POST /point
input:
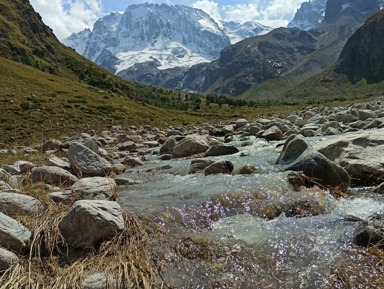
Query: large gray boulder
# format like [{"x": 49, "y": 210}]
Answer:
[
  {"x": 190, "y": 145},
  {"x": 168, "y": 146},
  {"x": 54, "y": 161},
  {"x": 298, "y": 155},
  {"x": 7, "y": 260},
  {"x": 220, "y": 150},
  {"x": 13, "y": 204},
  {"x": 94, "y": 188},
  {"x": 371, "y": 231},
  {"x": 53, "y": 175},
  {"x": 13, "y": 235},
  {"x": 360, "y": 154},
  {"x": 87, "y": 162},
  {"x": 89, "y": 222},
  {"x": 273, "y": 133}
]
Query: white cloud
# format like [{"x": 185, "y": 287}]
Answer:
[
  {"x": 209, "y": 7},
  {"x": 241, "y": 12},
  {"x": 68, "y": 16}
]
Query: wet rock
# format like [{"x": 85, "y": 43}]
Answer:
[
  {"x": 254, "y": 129},
  {"x": 166, "y": 157},
  {"x": 379, "y": 189},
  {"x": 219, "y": 167},
  {"x": 198, "y": 165},
  {"x": 247, "y": 170},
  {"x": 273, "y": 133},
  {"x": 298, "y": 155},
  {"x": 94, "y": 188},
  {"x": 13, "y": 235},
  {"x": 121, "y": 181},
  {"x": 296, "y": 180},
  {"x": 360, "y": 154},
  {"x": 7, "y": 260},
  {"x": 53, "y": 175},
  {"x": 89, "y": 222},
  {"x": 87, "y": 162},
  {"x": 220, "y": 150},
  {"x": 371, "y": 231},
  {"x": 13, "y": 204},
  {"x": 168, "y": 146},
  {"x": 190, "y": 145},
  {"x": 133, "y": 162},
  {"x": 227, "y": 129}
]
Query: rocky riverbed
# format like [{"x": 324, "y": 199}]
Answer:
[{"x": 266, "y": 203}]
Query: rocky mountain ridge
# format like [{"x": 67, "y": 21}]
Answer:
[
  {"x": 292, "y": 55},
  {"x": 168, "y": 36}
]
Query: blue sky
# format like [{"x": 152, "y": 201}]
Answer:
[{"x": 69, "y": 16}]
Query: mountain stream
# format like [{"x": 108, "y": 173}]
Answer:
[{"x": 247, "y": 231}]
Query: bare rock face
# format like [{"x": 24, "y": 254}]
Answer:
[
  {"x": 87, "y": 162},
  {"x": 190, "y": 145},
  {"x": 298, "y": 155},
  {"x": 90, "y": 222},
  {"x": 52, "y": 175},
  {"x": 13, "y": 235}
]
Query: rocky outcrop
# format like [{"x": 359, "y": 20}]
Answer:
[
  {"x": 89, "y": 222},
  {"x": 298, "y": 155}
]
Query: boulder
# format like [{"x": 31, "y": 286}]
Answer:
[
  {"x": 370, "y": 232},
  {"x": 7, "y": 260},
  {"x": 220, "y": 150},
  {"x": 273, "y": 133},
  {"x": 48, "y": 145},
  {"x": 94, "y": 188},
  {"x": 54, "y": 161},
  {"x": 168, "y": 146},
  {"x": 298, "y": 155},
  {"x": 53, "y": 175},
  {"x": 190, "y": 145},
  {"x": 86, "y": 162},
  {"x": 360, "y": 154},
  {"x": 174, "y": 133},
  {"x": 127, "y": 146},
  {"x": 198, "y": 165},
  {"x": 240, "y": 123},
  {"x": 132, "y": 162},
  {"x": 13, "y": 204},
  {"x": 13, "y": 235},
  {"x": 89, "y": 222},
  {"x": 219, "y": 167}
]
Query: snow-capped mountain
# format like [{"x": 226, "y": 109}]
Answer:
[
  {"x": 165, "y": 35},
  {"x": 309, "y": 15},
  {"x": 237, "y": 32}
]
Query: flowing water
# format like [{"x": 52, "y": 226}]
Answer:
[{"x": 247, "y": 231}]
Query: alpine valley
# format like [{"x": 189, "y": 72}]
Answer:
[{"x": 179, "y": 47}]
